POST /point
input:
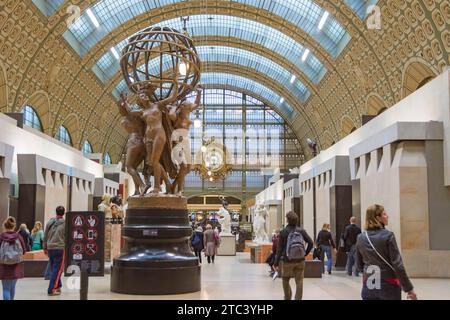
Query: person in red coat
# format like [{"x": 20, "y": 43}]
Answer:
[{"x": 10, "y": 273}]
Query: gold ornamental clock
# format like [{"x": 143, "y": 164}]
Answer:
[{"x": 212, "y": 162}]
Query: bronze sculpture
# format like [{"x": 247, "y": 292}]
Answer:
[
  {"x": 181, "y": 122},
  {"x": 135, "y": 149},
  {"x": 156, "y": 257},
  {"x": 154, "y": 127}
]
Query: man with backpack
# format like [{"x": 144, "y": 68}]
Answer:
[
  {"x": 292, "y": 251},
  {"x": 53, "y": 245}
]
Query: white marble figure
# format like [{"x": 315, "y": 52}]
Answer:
[
  {"x": 259, "y": 225},
  {"x": 225, "y": 221}
]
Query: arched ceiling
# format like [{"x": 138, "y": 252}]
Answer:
[
  {"x": 238, "y": 13},
  {"x": 229, "y": 27},
  {"x": 304, "y": 14},
  {"x": 259, "y": 44}
]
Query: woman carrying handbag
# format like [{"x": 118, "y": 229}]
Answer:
[{"x": 377, "y": 254}]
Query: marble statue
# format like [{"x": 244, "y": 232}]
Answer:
[
  {"x": 225, "y": 218},
  {"x": 259, "y": 224},
  {"x": 225, "y": 221}
]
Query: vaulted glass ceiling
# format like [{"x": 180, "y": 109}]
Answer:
[
  {"x": 229, "y": 26},
  {"x": 231, "y": 80},
  {"x": 243, "y": 58},
  {"x": 48, "y": 7},
  {"x": 360, "y": 6},
  {"x": 111, "y": 14}
]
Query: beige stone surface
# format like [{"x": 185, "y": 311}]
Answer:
[{"x": 227, "y": 246}]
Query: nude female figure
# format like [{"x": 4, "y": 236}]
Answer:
[
  {"x": 135, "y": 127},
  {"x": 155, "y": 135},
  {"x": 181, "y": 122}
]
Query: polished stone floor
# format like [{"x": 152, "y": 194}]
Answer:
[{"x": 237, "y": 278}]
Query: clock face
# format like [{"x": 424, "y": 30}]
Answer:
[{"x": 214, "y": 158}]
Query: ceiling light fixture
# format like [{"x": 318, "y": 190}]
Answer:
[
  {"x": 115, "y": 53},
  {"x": 183, "y": 68},
  {"x": 293, "y": 78},
  {"x": 323, "y": 20},
  {"x": 93, "y": 18},
  {"x": 305, "y": 55}
]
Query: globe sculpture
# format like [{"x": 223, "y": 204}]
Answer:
[
  {"x": 161, "y": 67},
  {"x": 153, "y": 55}
]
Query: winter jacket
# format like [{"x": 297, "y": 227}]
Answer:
[
  {"x": 386, "y": 245},
  {"x": 14, "y": 271},
  {"x": 210, "y": 243},
  {"x": 26, "y": 239},
  {"x": 282, "y": 243},
  {"x": 54, "y": 238},
  {"x": 199, "y": 246},
  {"x": 350, "y": 236}
]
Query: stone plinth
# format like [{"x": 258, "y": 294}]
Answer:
[
  {"x": 227, "y": 245},
  {"x": 156, "y": 256},
  {"x": 260, "y": 252}
]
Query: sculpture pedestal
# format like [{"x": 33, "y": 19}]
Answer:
[
  {"x": 227, "y": 245},
  {"x": 157, "y": 258},
  {"x": 259, "y": 252}
]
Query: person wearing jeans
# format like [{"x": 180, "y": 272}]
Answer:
[
  {"x": 9, "y": 273},
  {"x": 325, "y": 242},
  {"x": 350, "y": 236},
  {"x": 326, "y": 251},
  {"x": 351, "y": 258},
  {"x": 9, "y": 289},
  {"x": 54, "y": 247}
]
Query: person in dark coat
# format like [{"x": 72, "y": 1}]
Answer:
[
  {"x": 10, "y": 273},
  {"x": 377, "y": 254},
  {"x": 26, "y": 236},
  {"x": 325, "y": 242},
  {"x": 197, "y": 243},
  {"x": 350, "y": 236}
]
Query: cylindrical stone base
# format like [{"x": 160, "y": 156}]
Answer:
[{"x": 157, "y": 259}]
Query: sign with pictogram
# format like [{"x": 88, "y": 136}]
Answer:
[{"x": 86, "y": 242}]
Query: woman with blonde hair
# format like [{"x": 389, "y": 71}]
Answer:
[
  {"x": 37, "y": 234},
  {"x": 325, "y": 242},
  {"x": 12, "y": 249},
  {"x": 377, "y": 254}
]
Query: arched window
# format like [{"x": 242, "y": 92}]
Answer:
[
  {"x": 64, "y": 136},
  {"x": 87, "y": 147},
  {"x": 107, "y": 159},
  {"x": 31, "y": 118}
]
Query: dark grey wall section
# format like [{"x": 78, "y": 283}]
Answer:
[
  {"x": 4, "y": 199},
  {"x": 438, "y": 197},
  {"x": 31, "y": 204},
  {"x": 113, "y": 176},
  {"x": 356, "y": 202},
  {"x": 13, "y": 207},
  {"x": 95, "y": 202}
]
